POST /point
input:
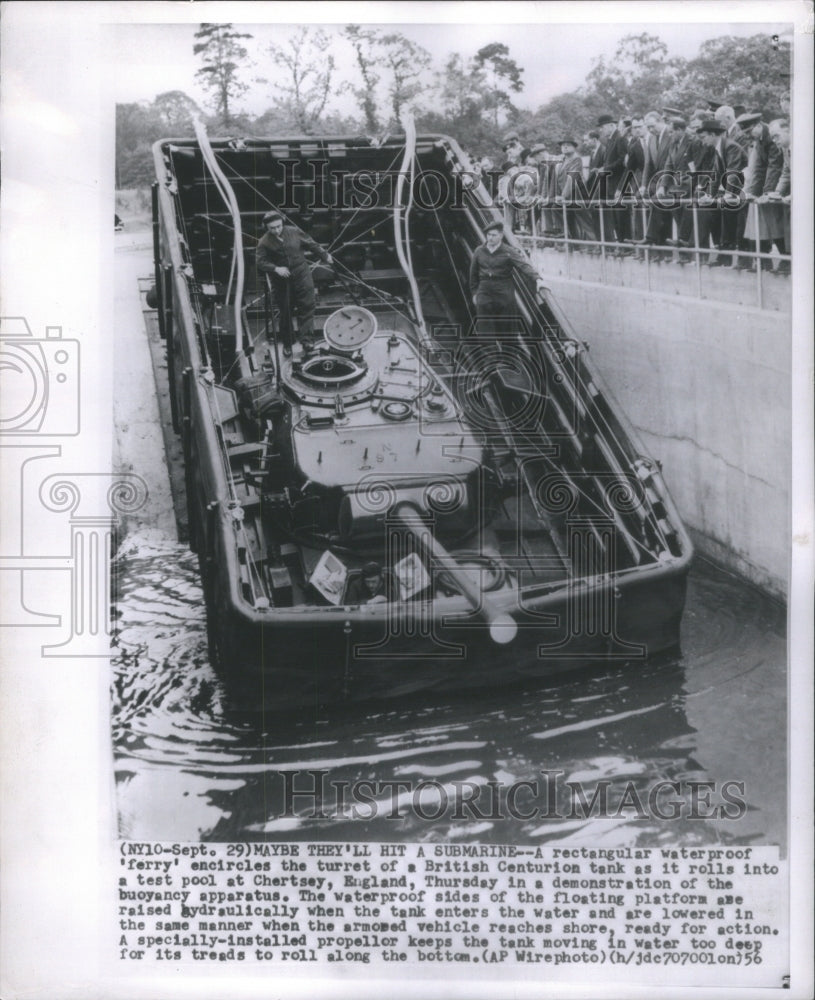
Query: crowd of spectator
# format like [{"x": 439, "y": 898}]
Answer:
[{"x": 663, "y": 183}]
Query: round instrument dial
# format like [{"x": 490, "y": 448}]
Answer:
[{"x": 349, "y": 328}]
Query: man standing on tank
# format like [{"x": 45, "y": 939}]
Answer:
[
  {"x": 280, "y": 255},
  {"x": 491, "y": 284}
]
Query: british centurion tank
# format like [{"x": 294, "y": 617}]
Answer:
[{"x": 410, "y": 504}]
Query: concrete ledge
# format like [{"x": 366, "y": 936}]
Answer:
[
  {"x": 707, "y": 384},
  {"x": 720, "y": 284}
]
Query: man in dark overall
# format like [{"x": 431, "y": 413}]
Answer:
[
  {"x": 491, "y": 285},
  {"x": 280, "y": 255}
]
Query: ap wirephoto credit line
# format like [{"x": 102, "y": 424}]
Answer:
[{"x": 407, "y": 506}]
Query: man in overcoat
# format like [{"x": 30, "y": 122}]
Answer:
[
  {"x": 616, "y": 149},
  {"x": 721, "y": 210},
  {"x": 657, "y": 162},
  {"x": 492, "y": 287}
]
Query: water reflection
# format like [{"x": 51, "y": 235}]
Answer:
[{"x": 190, "y": 765}]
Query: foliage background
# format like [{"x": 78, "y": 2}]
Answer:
[{"x": 473, "y": 97}]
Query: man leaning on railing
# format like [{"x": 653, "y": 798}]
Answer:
[
  {"x": 780, "y": 134},
  {"x": 765, "y": 162},
  {"x": 695, "y": 180}
]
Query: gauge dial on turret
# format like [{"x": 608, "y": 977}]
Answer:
[{"x": 349, "y": 328}]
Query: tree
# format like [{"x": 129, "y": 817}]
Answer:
[
  {"x": 461, "y": 88},
  {"x": 222, "y": 52},
  {"x": 303, "y": 90},
  {"x": 137, "y": 128},
  {"x": 176, "y": 111},
  {"x": 363, "y": 42},
  {"x": 566, "y": 116},
  {"x": 459, "y": 110},
  {"x": 406, "y": 61},
  {"x": 638, "y": 78},
  {"x": 751, "y": 71},
  {"x": 501, "y": 73}
]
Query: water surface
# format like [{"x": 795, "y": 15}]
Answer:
[{"x": 193, "y": 765}]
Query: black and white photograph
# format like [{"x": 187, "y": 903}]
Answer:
[{"x": 407, "y": 502}]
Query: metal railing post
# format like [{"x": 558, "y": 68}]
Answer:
[
  {"x": 758, "y": 261},
  {"x": 566, "y": 238},
  {"x": 697, "y": 252}
]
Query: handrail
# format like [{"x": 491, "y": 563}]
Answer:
[{"x": 687, "y": 251}]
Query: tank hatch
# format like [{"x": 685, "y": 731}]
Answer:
[{"x": 386, "y": 413}]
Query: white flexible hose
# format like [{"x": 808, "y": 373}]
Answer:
[
  {"x": 225, "y": 189},
  {"x": 399, "y": 239}
]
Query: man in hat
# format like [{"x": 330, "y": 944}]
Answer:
[
  {"x": 742, "y": 137},
  {"x": 523, "y": 192},
  {"x": 734, "y": 220},
  {"x": 615, "y": 218},
  {"x": 546, "y": 166},
  {"x": 684, "y": 162},
  {"x": 635, "y": 160},
  {"x": 765, "y": 162},
  {"x": 635, "y": 165},
  {"x": 597, "y": 154},
  {"x": 780, "y": 134},
  {"x": 569, "y": 184},
  {"x": 718, "y": 213},
  {"x": 512, "y": 147},
  {"x": 491, "y": 281},
  {"x": 280, "y": 255},
  {"x": 683, "y": 149},
  {"x": 698, "y": 159},
  {"x": 708, "y": 106}
]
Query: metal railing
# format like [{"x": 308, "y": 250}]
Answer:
[{"x": 757, "y": 260}]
